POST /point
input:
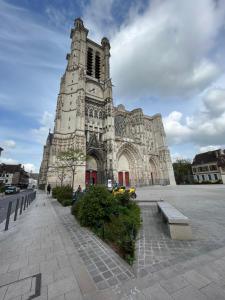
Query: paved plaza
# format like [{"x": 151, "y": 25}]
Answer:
[{"x": 47, "y": 255}]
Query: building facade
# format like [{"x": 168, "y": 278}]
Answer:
[
  {"x": 13, "y": 175},
  {"x": 209, "y": 166},
  {"x": 127, "y": 147}
]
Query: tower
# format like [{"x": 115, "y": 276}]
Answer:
[{"x": 84, "y": 108}]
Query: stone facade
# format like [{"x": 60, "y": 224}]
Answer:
[{"x": 125, "y": 146}]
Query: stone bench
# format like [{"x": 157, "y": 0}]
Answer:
[{"x": 179, "y": 225}]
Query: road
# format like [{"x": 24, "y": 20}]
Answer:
[{"x": 4, "y": 202}]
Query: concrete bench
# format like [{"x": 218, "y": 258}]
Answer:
[{"x": 179, "y": 225}]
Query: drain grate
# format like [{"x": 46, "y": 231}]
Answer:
[{"x": 28, "y": 287}]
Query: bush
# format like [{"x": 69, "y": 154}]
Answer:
[
  {"x": 63, "y": 194},
  {"x": 67, "y": 202},
  {"x": 115, "y": 219},
  {"x": 95, "y": 207}
]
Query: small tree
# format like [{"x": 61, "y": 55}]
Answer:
[
  {"x": 61, "y": 170},
  {"x": 71, "y": 159},
  {"x": 182, "y": 171}
]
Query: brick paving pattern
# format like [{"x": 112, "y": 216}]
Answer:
[
  {"x": 156, "y": 250},
  {"x": 103, "y": 264}
]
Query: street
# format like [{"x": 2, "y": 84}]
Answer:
[{"x": 4, "y": 201}]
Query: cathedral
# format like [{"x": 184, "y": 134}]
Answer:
[{"x": 126, "y": 147}]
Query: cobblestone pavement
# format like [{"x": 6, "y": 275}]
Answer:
[
  {"x": 47, "y": 244},
  {"x": 156, "y": 250},
  {"x": 105, "y": 267}
]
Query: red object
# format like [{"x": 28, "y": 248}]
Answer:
[
  {"x": 94, "y": 177},
  {"x": 87, "y": 179},
  {"x": 127, "y": 181},
  {"x": 120, "y": 177}
]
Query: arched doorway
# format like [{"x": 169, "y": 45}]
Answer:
[
  {"x": 91, "y": 171},
  {"x": 123, "y": 171},
  {"x": 154, "y": 178}
]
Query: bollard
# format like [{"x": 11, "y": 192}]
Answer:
[
  {"x": 8, "y": 215},
  {"x": 21, "y": 206},
  {"x": 16, "y": 210},
  {"x": 24, "y": 206}
]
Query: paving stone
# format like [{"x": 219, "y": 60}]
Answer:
[
  {"x": 213, "y": 292},
  {"x": 112, "y": 281},
  {"x": 189, "y": 293},
  {"x": 60, "y": 287},
  {"x": 97, "y": 278},
  {"x": 174, "y": 284},
  {"x": 107, "y": 274},
  {"x": 196, "y": 279},
  {"x": 3, "y": 292},
  {"x": 156, "y": 292},
  {"x": 9, "y": 277},
  {"x": 73, "y": 295}
]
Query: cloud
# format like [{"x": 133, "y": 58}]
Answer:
[
  {"x": 214, "y": 102},
  {"x": 165, "y": 53},
  {"x": 29, "y": 167},
  {"x": 9, "y": 144},
  {"x": 176, "y": 132},
  {"x": 209, "y": 148},
  {"x": 9, "y": 161},
  {"x": 40, "y": 134},
  {"x": 205, "y": 127}
]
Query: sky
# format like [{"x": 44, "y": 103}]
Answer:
[{"x": 167, "y": 56}]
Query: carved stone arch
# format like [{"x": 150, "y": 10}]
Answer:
[
  {"x": 133, "y": 157},
  {"x": 154, "y": 170},
  {"x": 100, "y": 160}
]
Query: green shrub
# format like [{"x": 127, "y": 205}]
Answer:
[
  {"x": 2, "y": 189},
  {"x": 55, "y": 191},
  {"x": 115, "y": 219},
  {"x": 67, "y": 202},
  {"x": 123, "y": 199},
  {"x": 95, "y": 207},
  {"x": 63, "y": 194}
]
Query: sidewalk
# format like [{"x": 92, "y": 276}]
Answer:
[{"x": 46, "y": 255}]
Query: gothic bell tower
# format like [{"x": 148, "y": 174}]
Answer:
[{"x": 84, "y": 113}]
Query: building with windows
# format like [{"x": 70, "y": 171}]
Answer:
[
  {"x": 13, "y": 175},
  {"x": 209, "y": 166},
  {"x": 127, "y": 147}
]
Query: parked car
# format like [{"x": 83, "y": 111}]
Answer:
[{"x": 11, "y": 190}]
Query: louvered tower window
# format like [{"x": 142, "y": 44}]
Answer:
[
  {"x": 89, "y": 61},
  {"x": 97, "y": 66}
]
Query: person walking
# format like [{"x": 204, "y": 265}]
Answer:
[{"x": 49, "y": 189}]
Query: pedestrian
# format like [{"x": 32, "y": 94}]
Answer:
[
  {"x": 79, "y": 189},
  {"x": 49, "y": 189}
]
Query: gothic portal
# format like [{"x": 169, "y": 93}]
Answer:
[{"x": 125, "y": 146}]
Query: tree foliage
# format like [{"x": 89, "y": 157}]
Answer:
[
  {"x": 71, "y": 159},
  {"x": 182, "y": 171}
]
